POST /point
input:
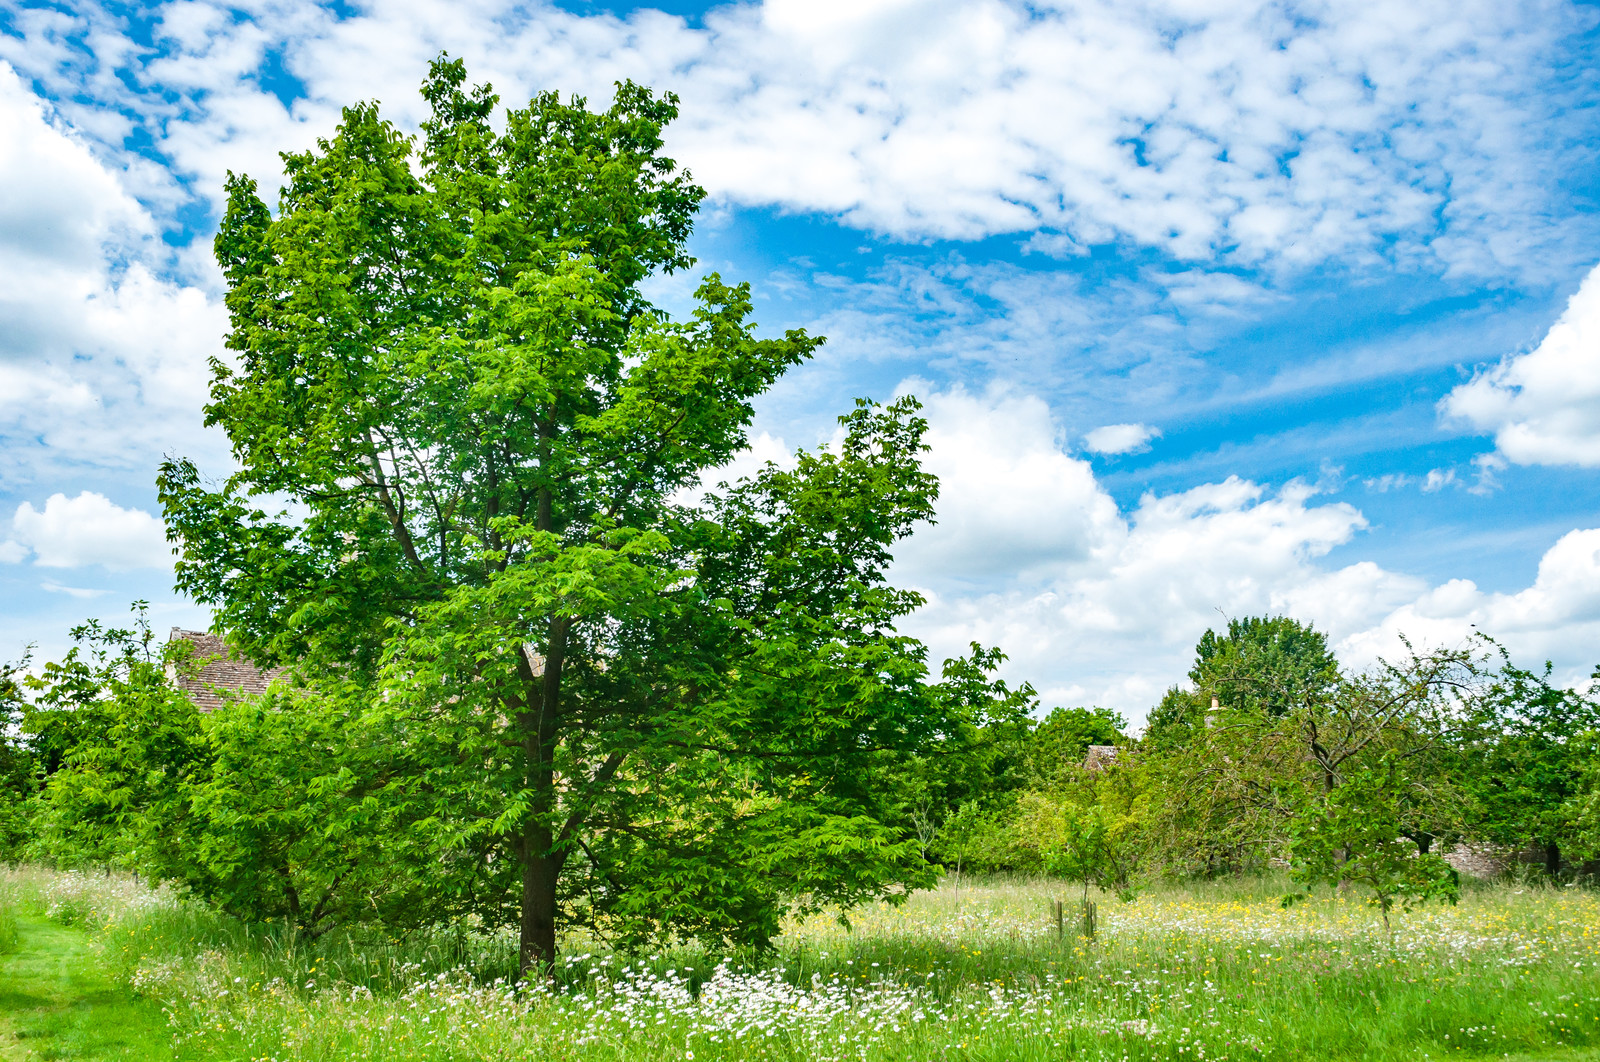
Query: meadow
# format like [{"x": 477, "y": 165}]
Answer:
[{"x": 970, "y": 971}]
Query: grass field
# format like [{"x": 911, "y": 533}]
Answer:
[{"x": 1217, "y": 971}]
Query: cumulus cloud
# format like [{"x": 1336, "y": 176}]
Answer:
[
  {"x": 1557, "y": 618},
  {"x": 1120, "y": 438},
  {"x": 1543, "y": 407},
  {"x": 87, "y": 530},
  {"x": 1011, "y": 501},
  {"x": 102, "y": 361},
  {"x": 1260, "y": 131},
  {"x": 1099, "y": 605}
]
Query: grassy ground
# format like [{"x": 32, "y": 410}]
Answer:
[
  {"x": 972, "y": 973},
  {"x": 59, "y": 1001}
]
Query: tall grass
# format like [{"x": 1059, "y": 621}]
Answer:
[
  {"x": 8, "y": 919},
  {"x": 969, "y": 971}
]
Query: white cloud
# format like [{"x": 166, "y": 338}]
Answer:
[
  {"x": 1557, "y": 618},
  {"x": 1544, "y": 406},
  {"x": 1260, "y": 131},
  {"x": 1098, "y": 605},
  {"x": 88, "y": 529},
  {"x": 79, "y": 592},
  {"x": 1011, "y": 501},
  {"x": 1120, "y": 438},
  {"x": 102, "y": 362},
  {"x": 1438, "y": 479}
]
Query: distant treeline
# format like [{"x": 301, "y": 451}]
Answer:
[{"x": 1275, "y": 755}]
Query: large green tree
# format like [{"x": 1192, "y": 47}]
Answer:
[
  {"x": 604, "y": 696},
  {"x": 1270, "y": 663}
]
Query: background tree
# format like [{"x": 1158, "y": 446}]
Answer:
[
  {"x": 1265, "y": 662},
  {"x": 1175, "y": 721},
  {"x": 1266, "y": 759},
  {"x": 1059, "y": 742},
  {"x": 1523, "y": 758},
  {"x": 600, "y": 702},
  {"x": 20, "y": 771},
  {"x": 1268, "y": 662}
]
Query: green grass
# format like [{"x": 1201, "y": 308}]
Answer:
[
  {"x": 975, "y": 973},
  {"x": 59, "y": 1001}
]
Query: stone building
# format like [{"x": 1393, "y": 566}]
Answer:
[{"x": 214, "y": 671}]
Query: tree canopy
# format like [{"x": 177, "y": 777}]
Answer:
[{"x": 600, "y": 694}]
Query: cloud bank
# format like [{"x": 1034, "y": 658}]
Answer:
[
  {"x": 102, "y": 361},
  {"x": 1286, "y": 133},
  {"x": 1097, "y": 605},
  {"x": 1543, "y": 407}
]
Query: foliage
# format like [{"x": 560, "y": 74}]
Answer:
[
  {"x": 263, "y": 807},
  {"x": 607, "y": 700},
  {"x": 977, "y": 838},
  {"x": 1059, "y": 742},
  {"x": 1522, "y": 755},
  {"x": 1271, "y": 663},
  {"x": 1266, "y": 663},
  {"x": 1228, "y": 795},
  {"x": 109, "y": 687},
  {"x": 1092, "y": 827},
  {"x": 1354, "y": 837},
  {"x": 1175, "y": 721},
  {"x": 19, "y": 767},
  {"x": 1583, "y": 807}
]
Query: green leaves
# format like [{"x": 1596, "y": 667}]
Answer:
[
  {"x": 1356, "y": 837},
  {"x": 596, "y": 700},
  {"x": 1525, "y": 745}
]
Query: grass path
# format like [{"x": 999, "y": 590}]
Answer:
[{"x": 57, "y": 1003}]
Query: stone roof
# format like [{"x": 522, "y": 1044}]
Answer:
[
  {"x": 1099, "y": 756},
  {"x": 220, "y": 671}
]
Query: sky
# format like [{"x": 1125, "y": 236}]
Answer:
[{"x": 1217, "y": 309}]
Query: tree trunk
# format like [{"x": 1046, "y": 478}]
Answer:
[
  {"x": 541, "y": 863},
  {"x": 1552, "y": 858},
  {"x": 538, "y": 924}
]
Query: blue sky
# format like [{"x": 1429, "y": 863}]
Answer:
[{"x": 1218, "y": 308}]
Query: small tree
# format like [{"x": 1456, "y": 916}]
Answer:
[
  {"x": 264, "y": 806},
  {"x": 976, "y": 837},
  {"x": 1089, "y": 827},
  {"x": 1353, "y": 838}
]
